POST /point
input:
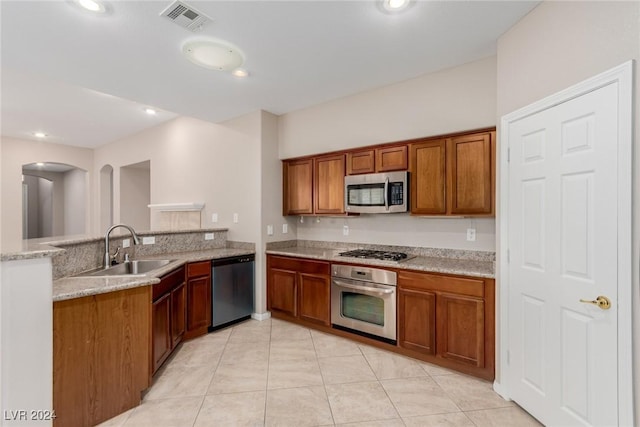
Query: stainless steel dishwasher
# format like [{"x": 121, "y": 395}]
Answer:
[{"x": 232, "y": 290}]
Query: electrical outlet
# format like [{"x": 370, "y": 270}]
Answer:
[
  {"x": 285, "y": 228},
  {"x": 214, "y": 217},
  {"x": 209, "y": 236},
  {"x": 471, "y": 234},
  {"x": 126, "y": 243},
  {"x": 345, "y": 230},
  {"x": 150, "y": 240},
  {"x": 269, "y": 230},
  {"x": 235, "y": 218}
]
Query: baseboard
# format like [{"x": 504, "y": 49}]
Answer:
[
  {"x": 497, "y": 387},
  {"x": 261, "y": 316}
]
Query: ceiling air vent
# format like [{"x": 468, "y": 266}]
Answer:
[{"x": 185, "y": 16}]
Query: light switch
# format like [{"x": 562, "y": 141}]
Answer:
[
  {"x": 149, "y": 240},
  {"x": 214, "y": 217},
  {"x": 209, "y": 236},
  {"x": 269, "y": 230},
  {"x": 345, "y": 230},
  {"x": 285, "y": 228},
  {"x": 126, "y": 243},
  {"x": 235, "y": 218}
]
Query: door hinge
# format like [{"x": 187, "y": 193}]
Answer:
[{"x": 508, "y": 155}]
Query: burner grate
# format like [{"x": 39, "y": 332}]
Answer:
[{"x": 372, "y": 254}]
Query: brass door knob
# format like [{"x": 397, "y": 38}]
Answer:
[{"x": 602, "y": 302}]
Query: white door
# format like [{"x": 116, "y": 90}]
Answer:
[{"x": 563, "y": 228}]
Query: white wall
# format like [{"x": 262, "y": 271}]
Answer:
[
  {"x": 557, "y": 45},
  {"x": 402, "y": 230},
  {"x": 75, "y": 198},
  {"x": 17, "y": 152},
  {"x": 456, "y": 99},
  {"x": 26, "y": 339},
  {"x": 135, "y": 195},
  {"x": 45, "y": 208},
  {"x": 197, "y": 161}
]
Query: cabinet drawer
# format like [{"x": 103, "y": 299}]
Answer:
[
  {"x": 430, "y": 282},
  {"x": 300, "y": 265},
  {"x": 196, "y": 269},
  {"x": 168, "y": 283}
]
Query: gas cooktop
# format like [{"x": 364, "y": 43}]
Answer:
[{"x": 371, "y": 254}]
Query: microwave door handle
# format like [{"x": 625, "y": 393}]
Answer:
[
  {"x": 386, "y": 193},
  {"x": 362, "y": 288}
]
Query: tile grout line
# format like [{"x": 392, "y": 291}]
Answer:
[
  {"x": 324, "y": 384},
  {"x": 212, "y": 377},
  {"x": 266, "y": 383}
]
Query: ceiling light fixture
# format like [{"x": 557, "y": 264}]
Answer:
[
  {"x": 394, "y": 6},
  {"x": 216, "y": 55},
  {"x": 39, "y": 164},
  {"x": 240, "y": 72},
  {"x": 91, "y": 5},
  {"x": 150, "y": 111},
  {"x": 39, "y": 134}
]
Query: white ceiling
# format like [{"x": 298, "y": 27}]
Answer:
[{"x": 84, "y": 79}]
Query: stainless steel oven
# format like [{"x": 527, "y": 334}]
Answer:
[{"x": 363, "y": 300}]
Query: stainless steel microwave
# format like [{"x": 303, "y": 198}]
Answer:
[{"x": 377, "y": 192}]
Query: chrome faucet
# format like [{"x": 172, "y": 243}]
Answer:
[{"x": 107, "y": 256}]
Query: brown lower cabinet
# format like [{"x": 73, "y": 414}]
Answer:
[
  {"x": 449, "y": 319},
  {"x": 168, "y": 316},
  {"x": 198, "y": 298},
  {"x": 101, "y": 355},
  {"x": 443, "y": 319},
  {"x": 299, "y": 289}
]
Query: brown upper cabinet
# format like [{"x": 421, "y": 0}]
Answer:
[
  {"x": 453, "y": 176},
  {"x": 297, "y": 185},
  {"x": 384, "y": 159},
  {"x": 328, "y": 186},
  {"x": 471, "y": 168},
  {"x": 450, "y": 175},
  {"x": 428, "y": 177},
  {"x": 314, "y": 185}
]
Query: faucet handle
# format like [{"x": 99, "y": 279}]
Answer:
[{"x": 113, "y": 257}]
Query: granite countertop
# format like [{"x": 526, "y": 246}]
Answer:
[
  {"x": 48, "y": 246},
  {"x": 29, "y": 250},
  {"x": 80, "y": 286},
  {"x": 439, "y": 264}
]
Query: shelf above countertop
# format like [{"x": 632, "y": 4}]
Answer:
[{"x": 177, "y": 207}]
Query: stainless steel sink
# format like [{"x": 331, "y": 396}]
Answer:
[{"x": 137, "y": 267}]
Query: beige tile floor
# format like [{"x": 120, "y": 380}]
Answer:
[{"x": 274, "y": 373}]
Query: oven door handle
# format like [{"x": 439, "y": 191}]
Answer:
[{"x": 363, "y": 288}]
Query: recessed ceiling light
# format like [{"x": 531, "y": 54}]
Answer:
[
  {"x": 213, "y": 54},
  {"x": 39, "y": 134},
  {"x": 240, "y": 72},
  {"x": 395, "y": 5},
  {"x": 40, "y": 164},
  {"x": 91, "y": 5},
  {"x": 150, "y": 111}
]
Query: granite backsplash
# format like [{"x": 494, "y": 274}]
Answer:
[{"x": 88, "y": 254}]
